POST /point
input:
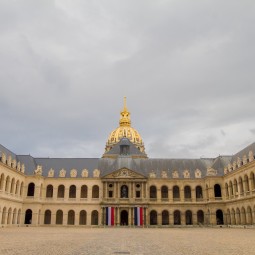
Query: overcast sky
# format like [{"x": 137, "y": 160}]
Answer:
[{"x": 186, "y": 67}]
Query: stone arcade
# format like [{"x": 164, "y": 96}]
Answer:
[{"x": 125, "y": 187}]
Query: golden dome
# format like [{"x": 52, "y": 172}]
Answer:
[{"x": 124, "y": 130}]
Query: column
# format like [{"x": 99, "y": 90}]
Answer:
[
  {"x": 193, "y": 195},
  {"x": 159, "y": 218},
  {"x": 158, "y": 194},
  {"x": 183, "y": 220},
  {"x": 129, "y": 216},
  {"x": 102, "y": 216},
  {"x": 118, "y": 216},
  {"x": 147, "y": 216},
  {"x": 78, "y": 192},
  {"x": 194, "y": 218},
  {"x": 66, "y": 196},
  {"x": 53, "y": 218},
  {"x": 171, "y": 218}
]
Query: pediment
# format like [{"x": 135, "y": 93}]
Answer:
[{"x": 124, "y": 173}]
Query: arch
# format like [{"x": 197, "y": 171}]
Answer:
[
  {"x": 164, "y": 192},
  {"x": 2, "y": 181},
  {"x": 240, "y": 181},
  {"x": 153, "y": 192},
  {"x": 177, "y": 217},
  {"x": 94, "y": 217},
  {"x": 231, "y": 188},
  {"x": 235, "y": 187},
  {"x": 176, "y": 192},
  {"x": 188, "y": 217},
  {"x": 243, "y": 216},
  {"x": 14, "y": 216},
  {"x": 21, "y": 189},
  {"x": 71, "y": 217},
  {"x": 217, "y": 190},
  {"x": 228, "y": 217},
  {"x": 252, "y": 178},
  {"x": 83, "y": 217},
  {"x": 187, "y": 192},
  {"x": 61, "y": 191},
  {"x": 84, "y": 191},
  {"x": 95, "y": 191},
  {"x": 199, "y": 192},
  {"x": 249, "y": 216},
  {"x": 12, "y": 186},
  {"x": 19, "y": 216},
  {"x": 28, "y": 216},
  {"x": 200, "y": 217},
  {"x": 4, "y": 213},
  {"x": 238, "y": 216},
  {"x": 31, "y": 189},
  {"x": 153, "y": 218},
  {"x": 17, "y": 187},
  {"x": 165, "y": 217},
  {"x": 59, "y": 217},
  {"x": 49, "y": 191},
  {"x": 233, "y": 217},
  {"x": 7, "y": 184},
  {"x": 72, "y": 191},
  {"x": 47, "y": 217},
  {"x": 226, "y": 190},
  {"x": 246, "y": 183},
  {"x": 219, "y": 217},
  {"x": 124, "y": 217},
  {"x": 9, "y": 217}
]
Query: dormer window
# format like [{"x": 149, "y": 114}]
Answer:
[{"x": 124, "y": 149}]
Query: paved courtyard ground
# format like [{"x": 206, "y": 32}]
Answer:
[{"x": 176, "y": 241}]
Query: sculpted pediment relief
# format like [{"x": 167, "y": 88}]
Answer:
[{"x": 124, "y": 173}]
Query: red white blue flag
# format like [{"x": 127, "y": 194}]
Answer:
[
  {"x": 110, "y": 216},
  {"x": 138, "y": 216}
]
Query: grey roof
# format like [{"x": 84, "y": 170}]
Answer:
[
  {"x": 143, "y": 166},
  {"x": 243, "y": 152}
]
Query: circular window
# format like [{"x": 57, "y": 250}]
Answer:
[
  {"x": 110, "y": 185},
  {"x": 138, "y": 186}
]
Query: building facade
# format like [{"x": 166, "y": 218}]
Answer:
[{"x": 125, "y": 187}]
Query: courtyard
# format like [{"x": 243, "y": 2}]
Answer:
[{"x": 125, "y": 240}]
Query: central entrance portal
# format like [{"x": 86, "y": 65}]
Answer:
[{"x": 124, "y": 218}]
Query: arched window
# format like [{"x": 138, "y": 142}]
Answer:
[
  {"x": 71, "y": 217},
  {"x": 200, "y": 217},
  {"x": 243, "y": 216},
  {"x": 31, "y": 189},
  {"x": 246, "y": 184},
  {"x": 17, "y": 188},
  {"x": 95, "y": 191},
  {"x": 231, "y": 189},
  {"x": 235, "y": 187},
  {"x": 199, "y": 193},
  {"x": 49, "y": 191},
  {"x": 238, "y": 216},
  {"x": 2, "y": 182},
  {"x": 187, "y": 193},
  {"x": 228, "y": 218},
  {"x": 28, "y": 216},
  {"x": 72, "y": 191},
  {"x": 59, "y": 217},
  {"x": 226, "y": 190},
  {"x": 164, "y": 192},
  {"x": 21, "y": 189},
  {"x": 217, "y": 190},
  {"x": 240, "y": 181},
  {"x": 19, "y": 216},
  {"x": 7, "y": 184},
  {"x": 252, "y": 178},
  {"x": 233, "y": 217},
  {"x": 61, "y": 191},
  {"x": 14, "y": 216},
  {"x": 165, "y": 217},
  {"x": 177, "y": 217},
  {"x": 249, "y": 216},
  {"x": 84, "y": 191},
  {"x": 83, "y": 217},
  {"x": 188, "y": 217},
  {"x": 176, "y": 193},
  {"x": 47, "y": 217},
  {"x": 12, "y": 186},
  {"x": 94, "y": 217},
  {"x": 153, "y": 218},
  {"x": 153, "y": 192}
]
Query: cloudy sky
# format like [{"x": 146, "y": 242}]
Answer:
[{"x": 186, "y": 67}]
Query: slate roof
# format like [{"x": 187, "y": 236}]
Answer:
[{"x": 143, "y": 166}]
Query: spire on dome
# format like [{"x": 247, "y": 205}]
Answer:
[{"x": 125, "y": 115}]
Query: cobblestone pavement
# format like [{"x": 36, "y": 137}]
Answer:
[{"x": 177, "y": 241}]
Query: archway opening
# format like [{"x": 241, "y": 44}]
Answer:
[
  {"x": 28, "y": 216},
  {"x": 219, "y": 217},
  {"x": 124, "y": 218}
]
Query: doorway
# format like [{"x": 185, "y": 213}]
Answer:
[{"x": 124, "y": 218}]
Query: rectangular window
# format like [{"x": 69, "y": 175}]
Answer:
[{"x": 138, "y": 194}]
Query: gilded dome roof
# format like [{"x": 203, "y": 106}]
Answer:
[{"x": 125, "y": 130}]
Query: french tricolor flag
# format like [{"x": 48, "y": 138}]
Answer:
[
  {"x": 138, "y": 216},
  {"x": 110, "y": 216}
]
